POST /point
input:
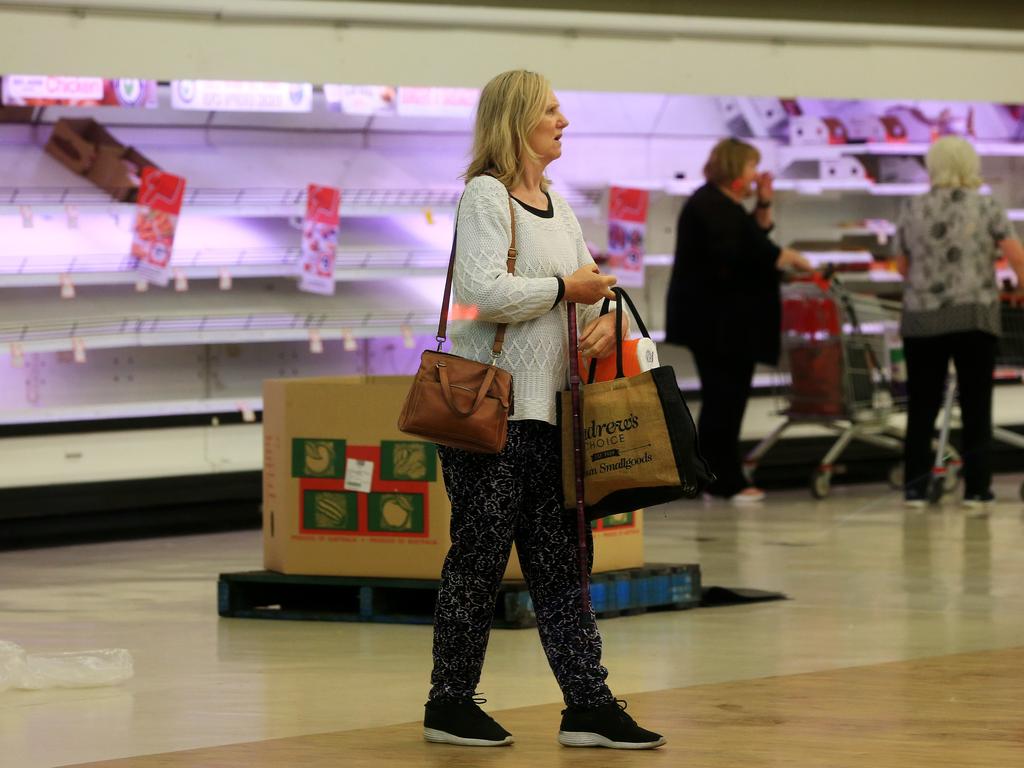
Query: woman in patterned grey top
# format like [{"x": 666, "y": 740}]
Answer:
[{"x": 949, "y": 239}]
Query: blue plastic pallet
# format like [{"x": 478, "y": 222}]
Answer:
[{"x": 269, "y": 595}]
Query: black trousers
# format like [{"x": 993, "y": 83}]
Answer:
[
  {"x": 973, "y": 354},
  {"x": 497, "y": 499},
  {"x": 724, "y": 390}
]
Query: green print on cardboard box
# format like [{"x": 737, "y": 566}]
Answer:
[
  {"x": 412, "y": 460},
  {"x": 330, "y": 510},
  {"x": 316, "y": 457},
  {"x": 395, "y": 513}
]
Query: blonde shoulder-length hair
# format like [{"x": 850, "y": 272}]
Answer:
[
  {"x": 511, "y": 106},
  {"x": 953, "y": 164}
]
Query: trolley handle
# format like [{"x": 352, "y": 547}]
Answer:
[
  {"x": 1012, "y": 298},
  {"x": 822, "y": 278}
]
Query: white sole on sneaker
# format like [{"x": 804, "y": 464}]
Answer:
[
  {"x": 748, "y": 498},
  {"x": 442, "y": 737},
  {"x": 584, "y": 739},
  {"x": 977, "y": 503}
]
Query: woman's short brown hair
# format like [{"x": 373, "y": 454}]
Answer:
[{"x": 728, "y": 159}]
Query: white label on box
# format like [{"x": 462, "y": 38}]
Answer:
[{"x": 358, "y": 475}]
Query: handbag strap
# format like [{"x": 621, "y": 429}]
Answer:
[
  {"x": 510, "y": 265},
  {"x": 576, "y": 416}
]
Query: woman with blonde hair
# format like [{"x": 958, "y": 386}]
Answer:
[
  {"x": 949, "y": 239},
  {"x": 723, "y": 301},
  {"x": 515, "y": 496}
]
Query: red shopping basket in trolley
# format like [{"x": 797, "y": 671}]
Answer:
[
  {"x": 811, "y": 329},
  {"x": 1010, "y": 353}
]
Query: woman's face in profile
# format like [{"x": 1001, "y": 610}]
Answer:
[{"x": 546, "y": 138}]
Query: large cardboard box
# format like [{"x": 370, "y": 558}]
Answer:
[
  {"x": 88, "y": 149},
  {"x": 318, "y": 517}
]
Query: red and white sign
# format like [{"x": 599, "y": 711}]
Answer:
[
  {"x": 46, "y": 90},
  {"x": 241, "y": 96},
  {"x": 319, "y": 240},
  {"x": 627, "y": 233},
  {"x": 160, "y": 198},
  {"x": 437, "y": 102}
]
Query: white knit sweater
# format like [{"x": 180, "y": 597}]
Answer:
[{"x": 536, "y": 341}]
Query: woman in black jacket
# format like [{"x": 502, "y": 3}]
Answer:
[{"x": 723, "y": 300}]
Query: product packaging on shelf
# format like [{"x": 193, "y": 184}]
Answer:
[
  {"x": 345, "y": 493},
  {"x": 88, "y": 149}
]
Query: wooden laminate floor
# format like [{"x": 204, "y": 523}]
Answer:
[
  {"x": 945, "y": 712},
  {"x": 900, "y": 646}
]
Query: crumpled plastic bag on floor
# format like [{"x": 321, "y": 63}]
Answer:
[{"x": 83, "y": 669}]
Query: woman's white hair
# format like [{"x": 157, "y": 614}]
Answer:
[{"x": 953, "y": 163}]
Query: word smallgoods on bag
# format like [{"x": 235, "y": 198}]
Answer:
[{"x": 637, "y": 440}]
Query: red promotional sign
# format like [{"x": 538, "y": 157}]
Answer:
[
  {"x": 319, "y": 239},
  {"x": 160, "y": 198},
  {"x": 627, "y": 232}
]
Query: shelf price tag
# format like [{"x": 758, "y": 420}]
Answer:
[
  {"x": 67, "y": 286},
  {"x": 225, "y": 279},
  {"x": 319, "y": 240},
  {"x": 429, "y": 215},
  {"x": 160, "y": 198},
  {"x": 78, "y": 350},
  {"x": 316, "y": 344},
  {"x": 627, "y": 232},
  {"x": 248, "y": 414},
  {"x": 349, "y": 342},
  {"x": 17, "y": 356},
  {"x": 72, "y": 213},
  {"x": 141, "y": 286},
  {"x": 408, "y": 340},
  {"x": 180, "y": 281},
  {"x": 26, "y": 216}
]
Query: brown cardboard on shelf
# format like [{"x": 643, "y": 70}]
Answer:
[
  {"x": 87, "y": 148},
  {"x": 345, "y": 493}
]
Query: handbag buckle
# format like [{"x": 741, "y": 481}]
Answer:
[{"x": 440, "y": 342}]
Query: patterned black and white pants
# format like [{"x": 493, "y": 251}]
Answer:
[{"x": 498, "y": 499}]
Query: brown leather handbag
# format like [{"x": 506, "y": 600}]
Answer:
[{"x": 458, "y": 402}]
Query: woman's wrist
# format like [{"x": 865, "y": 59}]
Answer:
[{"x": 763, "y": 204}]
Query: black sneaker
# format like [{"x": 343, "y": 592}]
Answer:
[
  {"x": 462, "y": 723},
  {"x": 605, "y": 726},
  {"x": 979, "y": 500}
]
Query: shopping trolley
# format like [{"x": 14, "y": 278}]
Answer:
[
  {"x": 1009, "y": 365},
  {"x": 845, "y": 372}
]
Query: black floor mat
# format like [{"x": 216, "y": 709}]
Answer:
[{"x": 711, "y": 597}]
